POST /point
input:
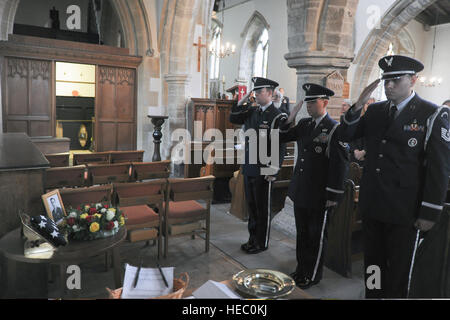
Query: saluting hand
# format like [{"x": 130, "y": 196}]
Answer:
[
  {"x": 244, "y": 99},
  {"x": 366, "y": 94},
  {"x": 330, "y": 204},
  {"x": 294, "y": 112}
]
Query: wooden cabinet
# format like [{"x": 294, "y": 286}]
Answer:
[{"x": 212, "y": 114}]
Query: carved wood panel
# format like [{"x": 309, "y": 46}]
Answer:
[
  {"x": 27, "y": 96},
  {"x": 116, "y": 109}
]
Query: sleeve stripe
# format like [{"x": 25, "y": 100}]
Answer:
[
  {"x": 334, "y": 190},
  {"x": 432, "y": 206}
]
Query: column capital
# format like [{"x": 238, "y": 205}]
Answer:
[
  {"x": 177, "y": 78},
  {"x": 317, "y": 62}
]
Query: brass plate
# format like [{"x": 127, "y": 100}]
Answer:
[{"x": 263, "y": 283}]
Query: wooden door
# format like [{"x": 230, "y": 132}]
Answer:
[
  {"x": 28, "y": 96},
  {"x": 115, "y": 111}
]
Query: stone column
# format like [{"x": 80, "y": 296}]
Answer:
[
  {"x": 315, "y": 67},
  {"x": 320, "y": 40},
  {"x": 177, "y": 89}
]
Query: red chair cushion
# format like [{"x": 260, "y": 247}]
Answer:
[
  {"x": 185, "y": 209},
  {"x": 139, "y": 214}
]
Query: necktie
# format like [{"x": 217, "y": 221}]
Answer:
[{"x": 392, "y": 112}]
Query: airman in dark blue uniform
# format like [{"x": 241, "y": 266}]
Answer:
[
  {"x": 405, "y": 175},
  {"x": 258, "y": 122},
  {"x": 317, "y": 182}
]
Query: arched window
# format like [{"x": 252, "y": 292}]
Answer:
[
  {"x": 214, "y": 62},
  {"x": 261, "y": 55}
]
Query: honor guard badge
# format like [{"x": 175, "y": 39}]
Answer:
[
  {"x": 412, "y": 142},
  {"x": 318, "y": 149}
]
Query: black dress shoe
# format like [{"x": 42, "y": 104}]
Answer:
[
  {"x": 246, "y": 246},
  {"x": 254, "y": 249},
  {"x": 296, "y": 274},
  {"x": 305, "y": 282}
]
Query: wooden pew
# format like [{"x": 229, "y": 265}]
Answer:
[
  {"x": 280, "y": 187},
  {"x": 95, "y": 157},
  {"x": 341, "y": 228},
  {"x": 126, "y": 156},
  {"x": 108, "y": 173},
  {"x": 223, "y": 173},
  {"x": 88, "y": 195},
  {"x": 344, "y": 229},
  {"x": 58, "y": 159},
  {"x": 65, "y": 177},
  {"x": 150, "y": 170}
]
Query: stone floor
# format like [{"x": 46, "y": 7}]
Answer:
[{"x": 222, "y": 261}]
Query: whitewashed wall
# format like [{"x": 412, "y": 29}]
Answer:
[{"x": 275, "y": 13}]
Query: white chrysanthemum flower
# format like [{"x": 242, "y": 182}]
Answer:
[
  {"x": 110, "y": 215},
  {"x": 72, "y": 214}
]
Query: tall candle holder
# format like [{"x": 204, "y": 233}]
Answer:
[{"x": 157, "y": 121}]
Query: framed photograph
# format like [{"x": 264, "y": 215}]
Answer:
[{"x": 54, "y": 206}]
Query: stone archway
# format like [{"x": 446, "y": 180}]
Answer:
[
  {"x": 378, "y": 40},
  {"x": 251, "y": 34}
]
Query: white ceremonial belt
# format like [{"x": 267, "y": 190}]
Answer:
[
  {"x": 432, "y": 206},
  {"x": 350, "y": 122},
  {"x": 334, "y": 190}
]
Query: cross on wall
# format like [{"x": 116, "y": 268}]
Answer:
[{"x": 199, "y": 46}]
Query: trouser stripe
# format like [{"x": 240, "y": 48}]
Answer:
[{"x": 319, "y": 254}]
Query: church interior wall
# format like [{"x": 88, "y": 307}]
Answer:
[
  {"x": 275, "y": 13},
  {"x": 441, "y": 64},
  {"x": 32, "y": 12}
]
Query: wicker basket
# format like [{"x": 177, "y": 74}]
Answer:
[{"x": 179, "y": 286}]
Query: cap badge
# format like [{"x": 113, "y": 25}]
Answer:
[
  {"x": 389, "y": 61},
  {"x": 308, "y": 87}
]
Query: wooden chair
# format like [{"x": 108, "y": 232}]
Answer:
[
  {"x": 126, "y": 156},
  {"x": 88, "y": 195},
  {"x": 143, "y": 222},
  {"x": 109, "y": 173},
  {"x": 58, "y": 160},
  {"x": 182, "y": 211},
  {"x": 75, "y": 197},
  {"x": 93, "y": 158},
  {"x": 65, "y": 177},
  {"x": 150, "y": 170}
]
